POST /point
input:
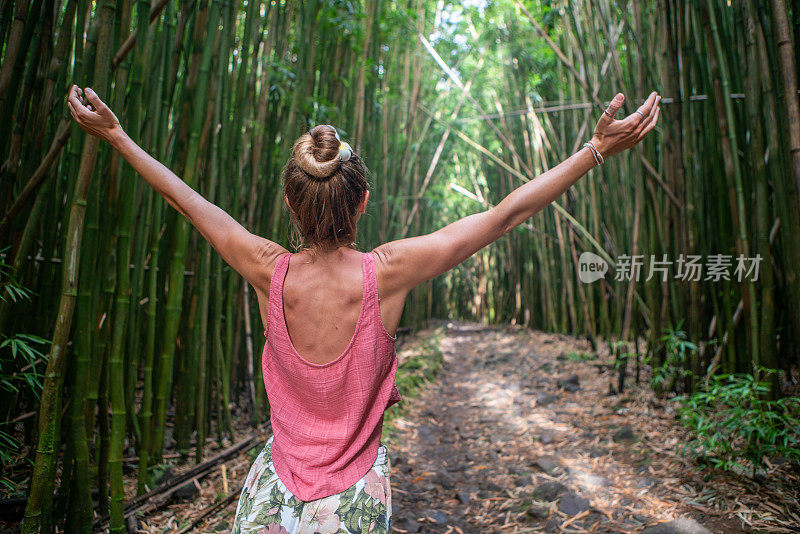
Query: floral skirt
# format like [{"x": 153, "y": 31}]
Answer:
[{"x": 266, "y": 506}]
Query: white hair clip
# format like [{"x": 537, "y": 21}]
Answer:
[{"x": 345, "y": 150}]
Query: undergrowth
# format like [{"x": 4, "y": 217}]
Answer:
[
  {"x": 21, "y": 373},
  {"x": 581, "y": 356},
  {"x": 412, "y": 375},
  {"x": 734, "y": 428}
]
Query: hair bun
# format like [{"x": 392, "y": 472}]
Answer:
[{"x": 317, "y": 152}]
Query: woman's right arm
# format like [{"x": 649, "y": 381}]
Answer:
[
  {"x": 250, "y": 255},
  {"x": 406, "y": 263}
]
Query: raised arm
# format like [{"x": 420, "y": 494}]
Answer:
[
  {"x": 405, "y": 263},
  {"x": 250, "y": 255}
]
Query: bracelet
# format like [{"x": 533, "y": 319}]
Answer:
[{"x": 598, "y": 157}]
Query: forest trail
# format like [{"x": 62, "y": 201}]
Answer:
[{"x": 518, "y": 434}]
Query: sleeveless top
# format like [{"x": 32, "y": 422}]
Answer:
[{"x": 327, "y": 419}]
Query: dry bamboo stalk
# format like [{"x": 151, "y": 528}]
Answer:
[
  {"x": 452, "y": 75},
  {"x": 438, "y": 152}
]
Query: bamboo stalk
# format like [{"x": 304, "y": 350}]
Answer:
[
  {"x": 789, "y": 74},
  {"x": 731, "y": 148},
  {"x": 762, "y": 215},
  {"x": 44, "y": 469}
]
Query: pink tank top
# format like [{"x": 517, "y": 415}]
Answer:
[{"x": 327, "y": 419}]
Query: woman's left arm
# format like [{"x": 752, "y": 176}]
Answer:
[{"x": 250, "y": 255}]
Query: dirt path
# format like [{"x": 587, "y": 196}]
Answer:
[{"x": 518, "y": 434}]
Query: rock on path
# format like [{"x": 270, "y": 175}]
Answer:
[{"x": 515, "y": 437}]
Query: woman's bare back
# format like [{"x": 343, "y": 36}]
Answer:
[{"x": 322, "y": 299}]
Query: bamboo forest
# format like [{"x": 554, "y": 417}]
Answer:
[{"x": 624, "y": 360}]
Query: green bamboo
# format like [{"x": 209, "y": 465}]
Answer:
[
  {"x": 151, "y": 230},
  {"x": 51, "y": 396},
  {"x": 181, "y": 236},
  {"x": 154, "y": 429}
]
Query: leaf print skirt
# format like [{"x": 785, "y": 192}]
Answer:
[{"x": 266, "y": 506}]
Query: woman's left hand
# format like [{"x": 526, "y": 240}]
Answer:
[
  {"x": 95, "y": 119},
  {"x": 612, "y": 136}
]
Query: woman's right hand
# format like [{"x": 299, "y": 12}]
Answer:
[
  {"x": 612, "y": 136},
  {"x": 95, "y": 117}
]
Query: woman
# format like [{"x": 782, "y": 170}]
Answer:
[{"x": 330, "y": 312}]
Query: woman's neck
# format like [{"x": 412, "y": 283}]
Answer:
[{"x": 327, "y": 252}]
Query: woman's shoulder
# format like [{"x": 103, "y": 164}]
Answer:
[
  {"x": 270, "y": 256},
  {"x": 389, "y": 265},
  {"x": 383, "y": 255}
]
